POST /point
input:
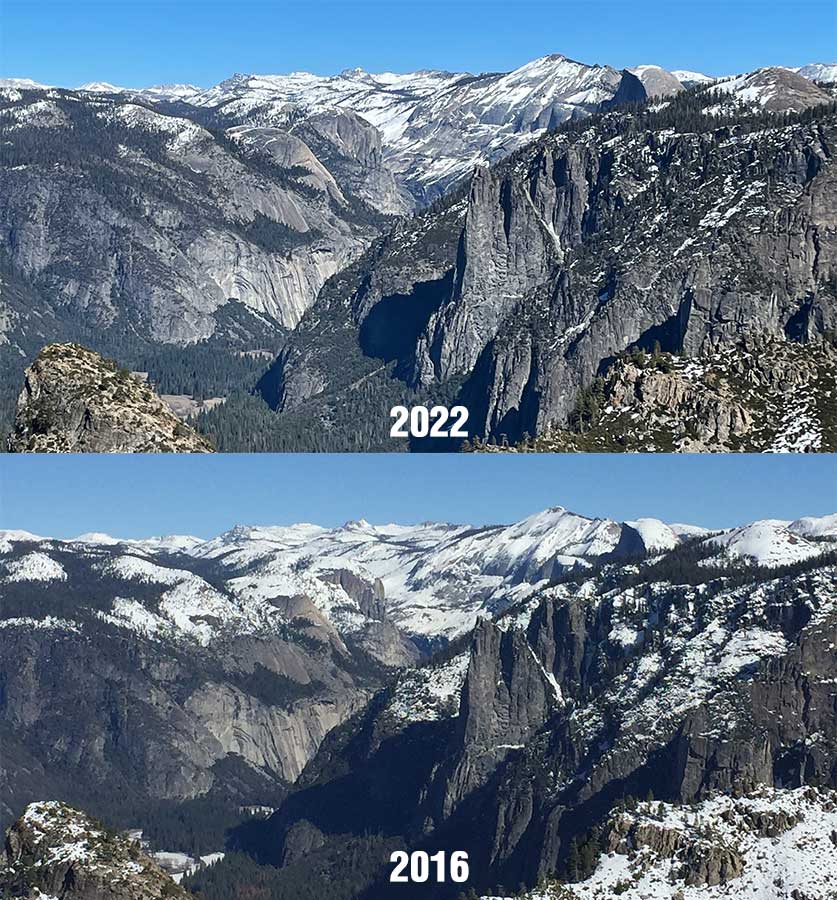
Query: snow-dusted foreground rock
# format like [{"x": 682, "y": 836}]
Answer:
[
  {"x": 770, "y": 844},
  {"x": 55, "y": 852}
]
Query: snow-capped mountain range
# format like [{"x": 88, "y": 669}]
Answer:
[
  {"x": 593, "y": 660},
  {"x": 234, "y": 207},
  {"x": 432, "y": 580},
  {"x": 531, "y": 741},
  {"x": 435, "y": 125}
]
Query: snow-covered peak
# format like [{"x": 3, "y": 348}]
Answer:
[
  {"x": 769, "y": 542},
  {"x": 430, "y": 579},
  {"x": 14, "y": 535},
  {"x": 656, "y": 535},
  {"x": 101, "y": 87},
  {"x": 170, "y": 542},
  {"x": 357, "y": 525},
  {"x": 256, "y": 540},
  {"x": 553, "y": 65},
  {"x": 826, "y": 72},
  {"x": 815, "y": 526},
  {"x": 558, "y": 531},
  {"x": 436, "y": 126},
  {"x": 96, "y": 537},
  {"x": 23, "y": 84},
  {"x": 688, "y": 78},
  {"x": 171, "y": 91}
]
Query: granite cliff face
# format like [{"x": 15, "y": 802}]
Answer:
[
  {"x": 601, "y": 301},
  {"x": 150, "y": 213},
  {"x": 56, "y": 851},
  {"x": 181, "y": 218},
  {"x": 75, "y": 401},
  {"x": 218, "y": 667},
  {"x": 265, "y": 668},
  {"x": 132, "y": 217},
  {"x": 674, "y": 227},
  {"x": 186, "y": 677}
]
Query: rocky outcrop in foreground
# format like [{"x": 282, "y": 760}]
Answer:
[
  {"x": 758, "y": 395},
  {"x": 76, "y": 401},
  {"x": 54, "y": 850},
  {"x": 767, "y": 845}
]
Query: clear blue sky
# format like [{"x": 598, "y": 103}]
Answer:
[
  {"x": 141, "y": 42},
  {"x": 135, "y": 496}
]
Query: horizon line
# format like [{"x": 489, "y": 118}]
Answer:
[{"x": 346, "y": 70}]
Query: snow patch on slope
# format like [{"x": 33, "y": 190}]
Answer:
[
  {"x": 794, "y": 854},
  {"x": 143, "y": 571},
  {"x": 35, "y": 567},
  {"x": 430, "y": 693},
  {"x": 656, "y": 535},
  {"x": 769, "y": 542}
]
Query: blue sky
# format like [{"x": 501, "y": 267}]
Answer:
[
  {"x": 140, "y": 42},
  {"x": 136, "y": 496}
]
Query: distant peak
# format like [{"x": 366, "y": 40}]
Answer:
[
  {"x": 355, "y": 524},
  {"x": 236, "y": 79},
  {"x": 561, "y": 58},
  {"x": 96, "y": 537}
]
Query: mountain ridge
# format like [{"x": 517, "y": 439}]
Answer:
[
  {"x": 529, "y": 292},
  {"x": 528, "y": 735},
  {"x": 238, "y": 671},
  {"x": 271, "y": 220}
]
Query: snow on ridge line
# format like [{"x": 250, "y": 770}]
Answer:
[
  {"x": 818, "y": 71},
  {"x": 95, "y": 537},
  {"x": 686, "y": 76},
  {"x": 16, "y": 534},
  {"x": 11, "y": 536},
  {"x": 815, "y": 526},
  {"x": 301, "y": 86},
  {"x": 174, "y": 542},
  {"x": 655, "y": 534},
  {"x": 35, "y": 566},
  {"x": 768, "y": 542},
  {"x": 685, "y": 531},
  {"x": 792, "y": 855}
]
